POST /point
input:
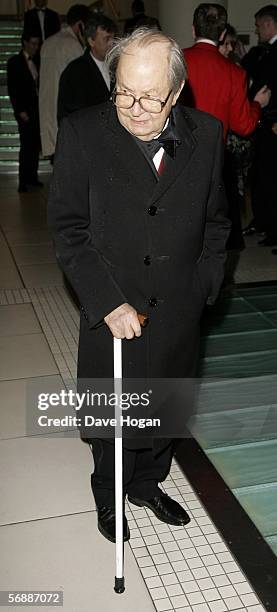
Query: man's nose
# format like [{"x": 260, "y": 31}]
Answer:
[{"x": 136, "y": 109}]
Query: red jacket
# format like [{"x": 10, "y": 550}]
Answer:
[{"x": 219, "y": 87}]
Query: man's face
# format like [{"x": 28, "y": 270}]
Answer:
[
  {"x": 31, "y": 46},
  {"x": 144, "y": 72},
  {"x": 40, "y": 3},
  {"x": 264, "y": 29},
  {"x": 101, "y": 44}
]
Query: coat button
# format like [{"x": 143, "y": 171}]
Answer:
[
  {"x": 153, "y": 302},
  {"x": 147, "y": 260},
  {"x": 152, "y": 210}
]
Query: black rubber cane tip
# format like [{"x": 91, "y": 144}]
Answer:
[{"x": 119, "y": 585}]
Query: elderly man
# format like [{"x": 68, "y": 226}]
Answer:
[{"x": 137, "y": 212}]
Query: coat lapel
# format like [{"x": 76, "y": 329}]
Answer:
[{"x": 130, "y": 155}]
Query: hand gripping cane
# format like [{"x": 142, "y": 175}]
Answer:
[{"x": 119, "y": 585}]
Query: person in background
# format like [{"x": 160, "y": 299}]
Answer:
[
  {"x": 42, "y": 20},
  {"x": 264, "y": 177},
  {"x": 221, "y": 88},
  {"x": 86, "y": 80},
  {"x": 140, "y": 19},
  {"x": 22, "y": 77},
  {"x": 56, "y": 53},
  {"x": 238, "y": 157}
]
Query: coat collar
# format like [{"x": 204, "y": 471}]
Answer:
[{"x": 130, "y": 154}]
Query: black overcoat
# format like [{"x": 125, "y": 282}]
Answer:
[
  {"x": 81, "y": 85},
  {"x": 122, "y": 235}
]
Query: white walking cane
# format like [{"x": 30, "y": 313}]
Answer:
[{"x": 119, "y": 585}]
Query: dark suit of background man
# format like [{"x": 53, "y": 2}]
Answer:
[
  {"x": 22, "y": 73},
  {"x": 139, "y": 226},
  {"x": 264, "y": 184},
  {"x": 139, "y": 18},
  {"x": 86, "y": 80},
  {"x": 42, "y": 20}
]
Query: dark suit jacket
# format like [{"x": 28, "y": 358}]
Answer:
[
  {"x": 81, "y": 85},
  {"x": 22, "y": 88},
  {"x": 138, "y": 21},
  {"x": 219, "y": 87},
  {"x": 266, "y": 74},
  {"x": 52, "y": 22}
]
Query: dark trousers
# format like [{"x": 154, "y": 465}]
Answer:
[
  {"x": 142, "y": 471},
  {"x": 29, "y": 150},
  {"x": 264, "y": 182}
]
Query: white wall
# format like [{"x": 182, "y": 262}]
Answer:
[
  {"x": 241, "y": 16},
  {"x": 176, "y": 18},
  {"x": 8, "y": 7}
]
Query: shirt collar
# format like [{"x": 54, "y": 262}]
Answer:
[
  {"x": 273, "y": 39},
  {"x": 206, "y": 40}
]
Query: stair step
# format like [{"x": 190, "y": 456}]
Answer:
[
  {"x": 7, "y": 140},
  {"x": 237, "y": 426},
  {"x": 261, "y": 504},
  {"x": 262, "y": 363},
  {"x": 8, "y": 127},
  {"x": 9, "y": 153},
  {"x": 246, "y": 465},
  {"x": 6, "y": 113},
  {"x": 234, "y": 344},
  {"x": 11, "y": 166}
]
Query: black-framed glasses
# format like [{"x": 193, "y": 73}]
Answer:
[{"x": 150, "y": 105}]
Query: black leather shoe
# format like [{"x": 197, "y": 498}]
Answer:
[
  {"x": 37, "y": 184},
  {"x": 268, "y": 241},
  {"x": 106, "y": 523},
  {"x": 22, "y": 188},
  {"x": 249, "y": 230},
  {"x": 166, "y": 509}
]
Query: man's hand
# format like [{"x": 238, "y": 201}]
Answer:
[
  {"x": 123, "y": 322},
  {"x": 263, "y": 96},
  {"x": 274, "y": 128},
  {"x": 24, "y": 116}
]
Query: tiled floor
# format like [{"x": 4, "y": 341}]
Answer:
[{"x": 48, "y": 534}]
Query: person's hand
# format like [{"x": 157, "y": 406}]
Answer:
[
  {"x": 123, "y": 322},
  {"x": 274, "y": 128},
  {"x": 24, "y": 116},
  {"x": 263, "y": 96}
]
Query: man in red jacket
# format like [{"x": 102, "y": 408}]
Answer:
[{"x": 215, "y": 85}]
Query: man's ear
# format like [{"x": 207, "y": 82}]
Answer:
[
  {"x": 176, "y": 95},
  {"x": 222, "y": 36},
  {"x": 193, "y": 32}
]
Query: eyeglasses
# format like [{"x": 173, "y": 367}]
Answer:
[{"x": 150, "y": 105}]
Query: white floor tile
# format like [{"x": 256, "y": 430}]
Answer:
[
  {"x": 69, "y": 554},
  {"x": 25, "y": 356},
  {"x": 14, "y": 402},
  {"x": 44, "y": 477},
  {"x": 18, "y": 319}
]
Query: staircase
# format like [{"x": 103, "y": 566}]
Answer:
[
  {"x": 236, "y": 421},
  {"x": 10, "y": 44}
]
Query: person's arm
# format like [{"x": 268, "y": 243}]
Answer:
[
  {"x": 217, "y": 228},
  {"x": 15, "y": 88},
  {"x": 244, "y": 115},
  {"x": 69, "y": 219}
]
